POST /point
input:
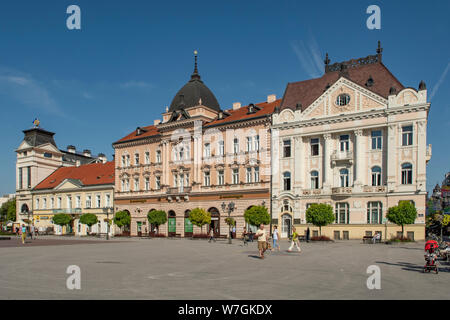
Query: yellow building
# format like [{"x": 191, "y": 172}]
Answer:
[{"x": 76, "y": 191}]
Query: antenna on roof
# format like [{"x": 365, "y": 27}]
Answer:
[
  {"x": 195, "y": 75},
  {"x": 327, "y": 62}
]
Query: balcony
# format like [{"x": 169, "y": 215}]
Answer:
[
  {"x": 178, "y": 190},
  {"x": 341, "y": 191},
  {"x": 342, "y": 156},
  {"x": 374, "y": 189}
]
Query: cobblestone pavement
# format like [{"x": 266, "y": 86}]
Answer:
[{"x": 131, "y": 268}]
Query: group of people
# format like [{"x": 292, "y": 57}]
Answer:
[
  {"x": 264, "y": 240},
  {"x": 23, "y": 231}
]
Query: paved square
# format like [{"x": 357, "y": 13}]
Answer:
[{"x": 132, "y": 268}]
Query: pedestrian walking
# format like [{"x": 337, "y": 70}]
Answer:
[
  {"x": 262, "y": 240},
  {"x": 295, "y": 241},
  {"x": 234, "y": 232},
  {"x": 24, "y": 233},
  {"x": 211, "y": 235},
  {"x": 31, "y": 232},
  {"x": 308, "y": 233},
  {"x": 275, "y": 239},
  {"x": 245, "y": 237}
]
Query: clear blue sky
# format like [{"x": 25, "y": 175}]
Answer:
[{"x": 92, "y": 86}]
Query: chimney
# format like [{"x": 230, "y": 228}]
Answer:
[
  {"x": 102, "y": 157},
  {"x": 87, "y": 153},
  {"x": 236, "y": 105},
  {"x": 156, "y": 122},
  {"x": 71, "y": 149},
  {"x": 271, "y": 98}
]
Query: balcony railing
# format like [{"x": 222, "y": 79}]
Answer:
[
  {"x": 308, "y": 192},
  {"x": 374, "y": 189},
  {"x": 342, "y": 156},
  {"x": 341, "y": 190},
  {"x": 179, "y": 190}
]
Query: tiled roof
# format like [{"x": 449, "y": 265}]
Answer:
[
  {"x": 87, "y": 175},
  {"x": 235, "y": 115},
  {"x": 242, "y": 113},
  {"x": 306, "y": 92}
]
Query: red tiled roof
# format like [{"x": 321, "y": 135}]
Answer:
[
  {"x": 241, "y": 113},
  {"x": 149, "y": 131},
  {"x": 306, "y": 92},
  {"x": 235, "y": 115},
  {"x": 88, "y": 174}
]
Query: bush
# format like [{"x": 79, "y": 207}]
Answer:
[
  {"x": 321, "y": 238},
  {"x": 401, "y": 239}
]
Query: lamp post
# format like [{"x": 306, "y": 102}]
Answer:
[
  {"x": 107, "y": 209},
  {"x": 230, "y": 208}
]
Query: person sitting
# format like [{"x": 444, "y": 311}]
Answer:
[{"x": 376, "y": 237}]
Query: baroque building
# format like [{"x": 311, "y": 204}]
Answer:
[
  {"x": 354, "y": 138},
  {"x": 37, "y": 157},
  {"x": 199, "y": 155}
]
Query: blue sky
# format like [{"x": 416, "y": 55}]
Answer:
[{"x": 92, "y": 86}]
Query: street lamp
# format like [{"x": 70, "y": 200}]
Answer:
[{"x": 230, "y": 208}]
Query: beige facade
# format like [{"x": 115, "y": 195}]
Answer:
[{"x": 358, "y": 146}]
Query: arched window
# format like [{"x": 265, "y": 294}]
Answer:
[
  {"x": 287, "y": 181},
  {"x": 407, "y": 173},
  {"x": 343, "y": 174},
  {"x": 376, "y": 176},
  {"x": 314, "y": 180},
  {"x": 374, "y": 212}
]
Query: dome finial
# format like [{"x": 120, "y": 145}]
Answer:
[{"x": 195, "y": 75}]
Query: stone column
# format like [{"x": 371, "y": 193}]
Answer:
[
  {"x": 391, "y": 156},
  {"x": 298, "y": 164},
  {"x": 327, "y": 172},
  {"x": 358, "y": 159},
  {"x": 419, "y": 176}
]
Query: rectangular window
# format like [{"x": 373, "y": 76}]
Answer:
[
  {"x": 249, "y": 175},
  {"x": 256, "y": 174},
  {"x": 29, "y": 176},
  {"x": 136, "y": 158},
  {"x": 249, "y": 144},
  {"x": 59, "y": 203},
  {"x": 44, "y": 203},
  {"x": 342, "y": 213},
  {"x": 374, "y": 212},
  {"x": 147, "y": 157},
  {"x": 136, "y": 184},
  {"x": 98, "y": 201},
  {"x": 235, "y": 176},
  {"x": 407, "y": 135},
  {"x": 158, "y": 156},
  {"x": 128, "y": 160},
  {"x": 37, "y": 203},
  {"x": 20, "y": 178},
  {"x": 158, "y": 182},
  {"x": 123, "y": 161},
  {"x": 286, "y": 148},
  {"x": 108, "y": 201},
  {"x": 69, "y": 202},
  {"x": 376, "y": 139},
  {"x": 207, "y": 152},
  {"x": 236, "y": 145},
  {"x": 314, "y": 147},
  {"x": 256, "y": 148},
  {"x": 147, "y": 183},
  {"x": 221, "y": 147},
  {"x": 207, "y": 179},
  {"x": 52, "y": 203},
  {"x": 78, "y": 202},
  {"x": 88, "y": 201},
  {"x": 220, "y": 178},
  {"x": 344, "y": 142}
]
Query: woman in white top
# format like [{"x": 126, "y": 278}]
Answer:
[{"x": 275, "y": 239}]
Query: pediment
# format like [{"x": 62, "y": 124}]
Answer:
[{"x": 69, "y": 184}]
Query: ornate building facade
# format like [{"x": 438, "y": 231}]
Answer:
[
  {"x": 37, "y": 157},
  {"x": 354, "y": 138},
  {"x": 198, "y": 156}
]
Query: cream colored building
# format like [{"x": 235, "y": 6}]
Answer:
[
  {"x": 355, "y": 138},
  {"x": 75, "y": 191}
]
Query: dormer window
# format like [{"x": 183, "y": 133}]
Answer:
[
  {"x": 369, "y": 82},
  {"x": 343, "y": 99}
]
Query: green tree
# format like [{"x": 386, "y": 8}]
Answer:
[
  {"x": 230, "y": 221},
  {"x": 257, "y": 215},
  {"x": 320, "y": 215},
  {"x": 89, "y": 219},
  {"x": 157, "y": 218},
  {"x": 200, "y": 217},
  {"x": 8, "y": 210},
  {"x": 122, "y": 219},
  {"x": 402, "y": 214},
  {"x": 62, "y": 219}
]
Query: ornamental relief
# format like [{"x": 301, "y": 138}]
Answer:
[
  {"x": 287, "y": 116},
  {"x": 407, "y": 154},
  {"x": 407, "y": 97}
]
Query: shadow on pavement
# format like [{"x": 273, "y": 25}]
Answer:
[{"x": 413, "y": 267}]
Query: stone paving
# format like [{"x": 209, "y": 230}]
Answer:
[{"x": 132, "y": 268}]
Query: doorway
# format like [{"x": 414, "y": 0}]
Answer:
[
  {"x": 215, "y": 221},
  {"x": 172, "y": 228},
  {"x": 286, "y": 225}
]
